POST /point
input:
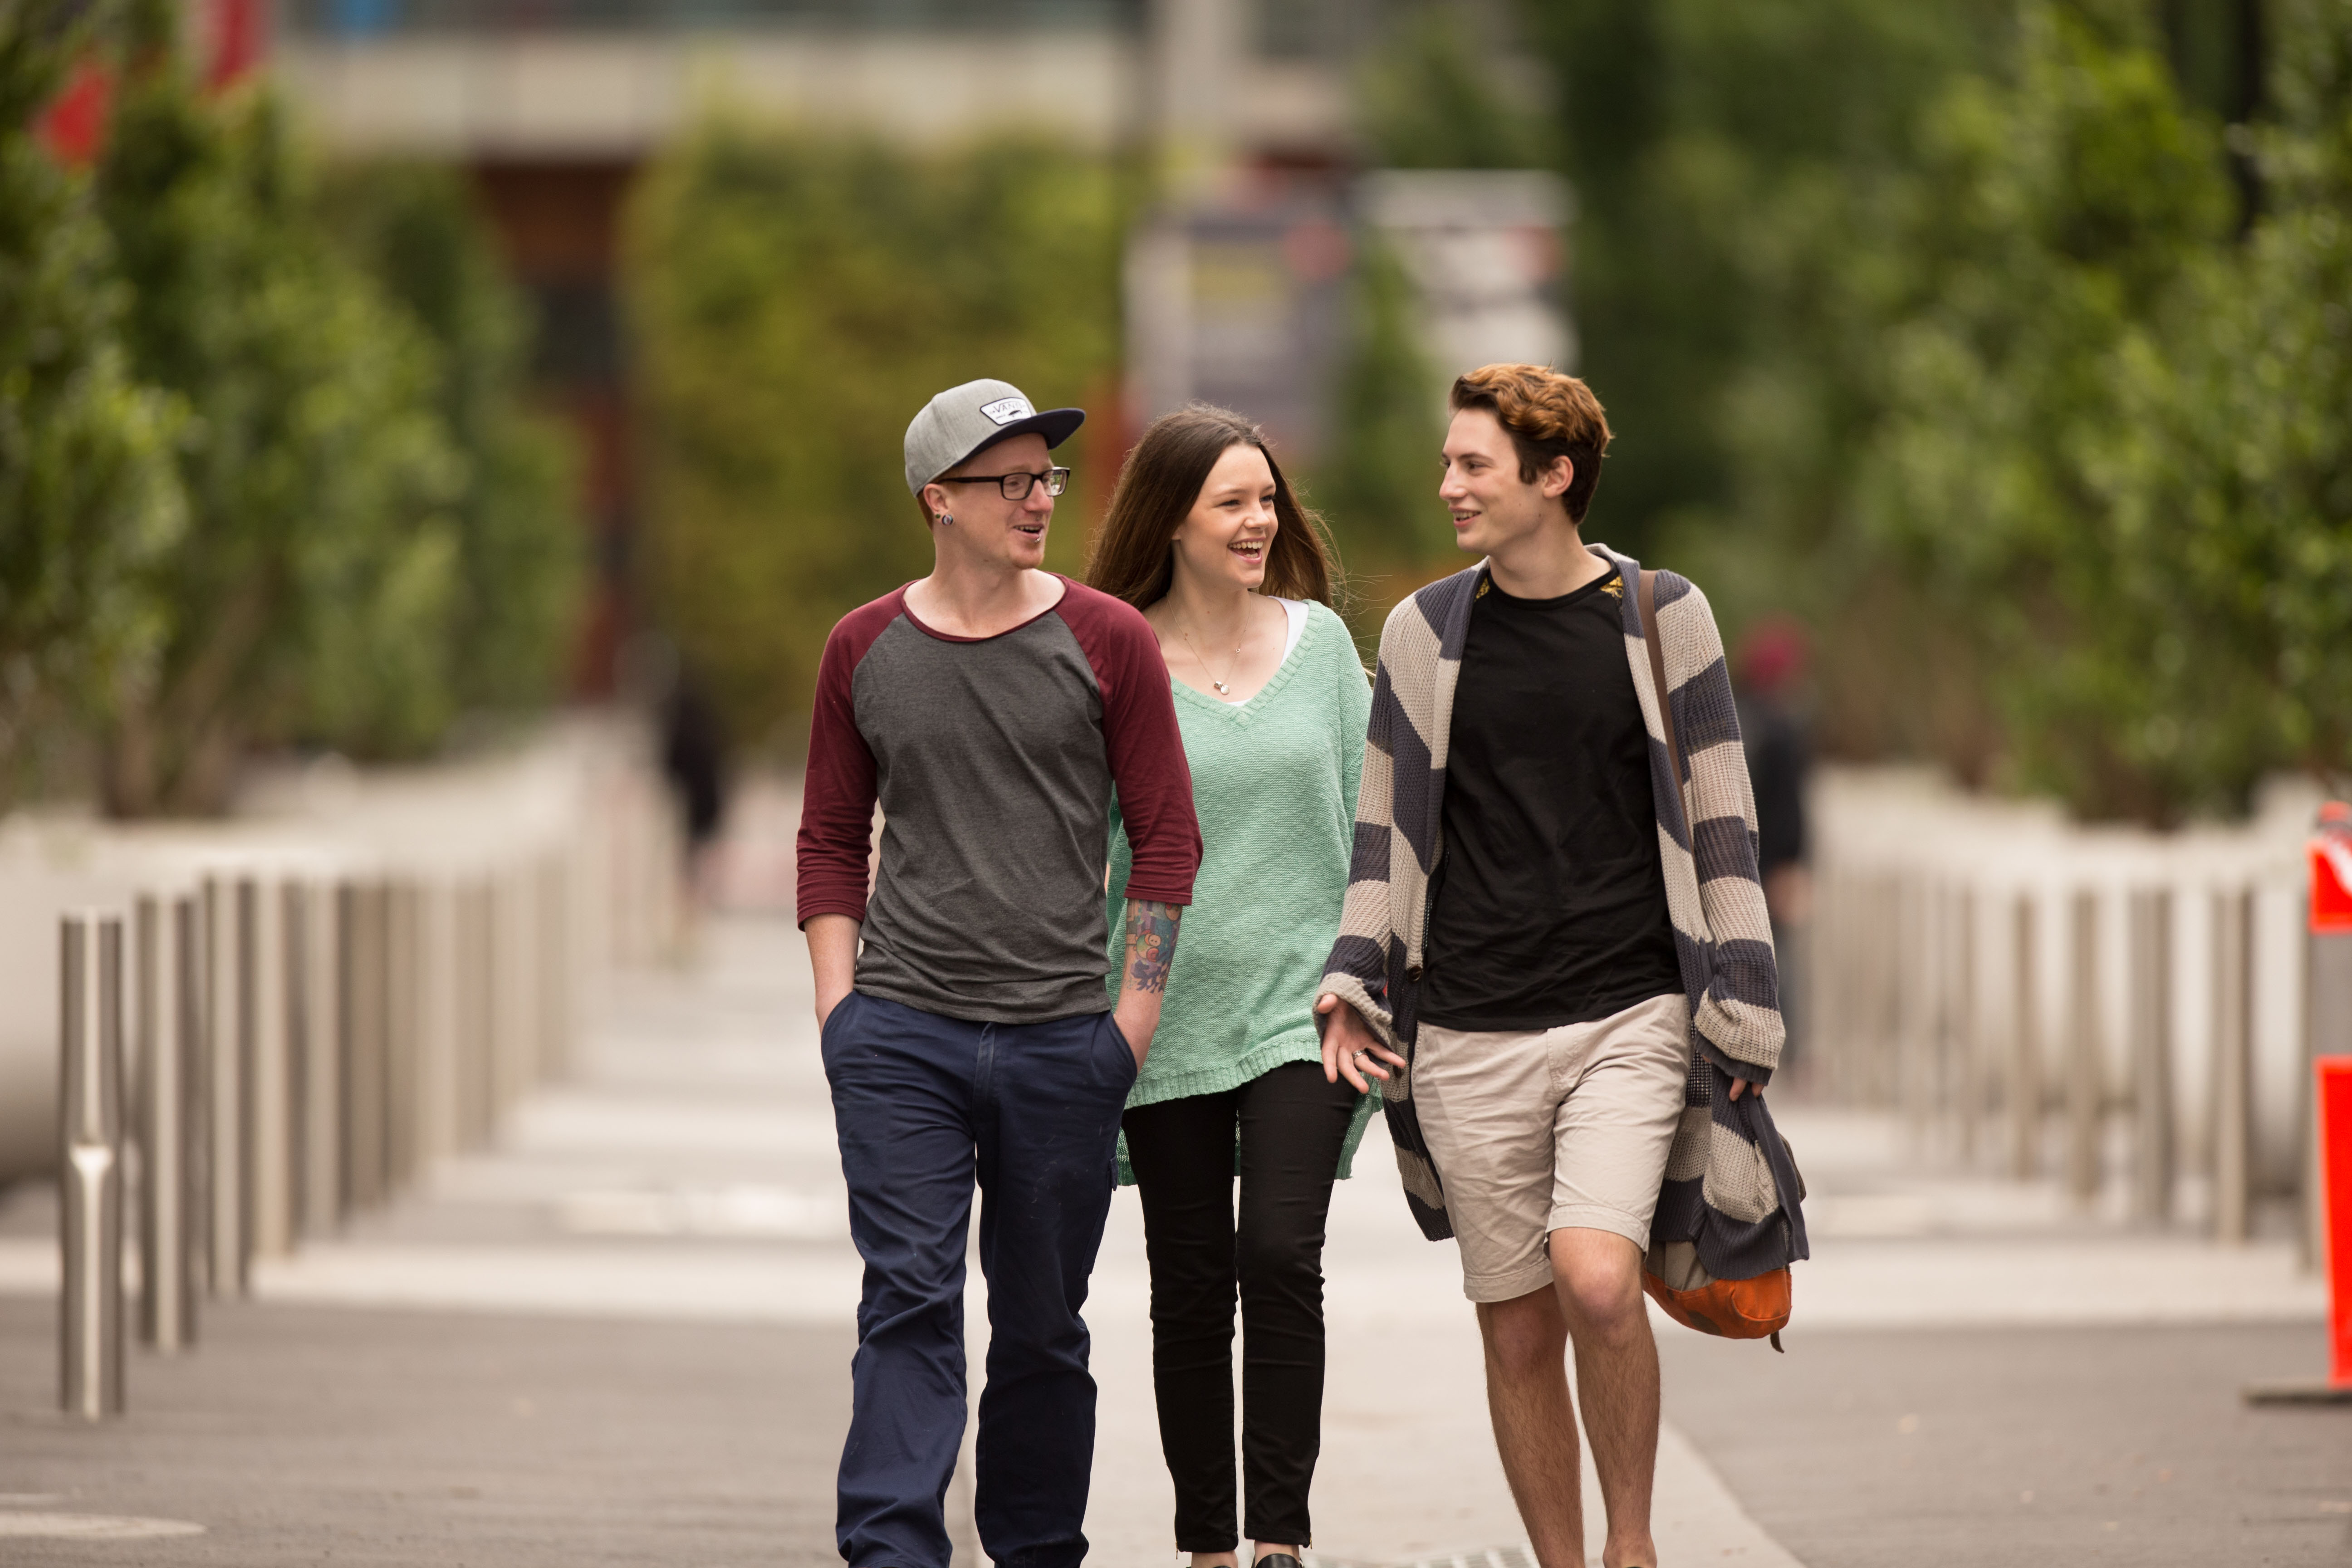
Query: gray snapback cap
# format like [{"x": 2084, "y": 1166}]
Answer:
[{"x": 968, "y": 419}]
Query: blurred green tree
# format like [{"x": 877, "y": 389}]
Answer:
[
  {"x": 1981, "y": 353},
  {"x": 312, "y": 594},
  {"x": 2244, "y": 451},
  {"x": 795, "y": 299},
  {"x": 2100, "y": 443},
  {"x": 519, "y": 545},
  {"x": 2053, "y": 241},
  {"x": 1724, "y": 154},
  {"x": 89, "y": 498}
]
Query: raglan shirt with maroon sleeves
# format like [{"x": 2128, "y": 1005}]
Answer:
[{"x": 993, "y": 760}]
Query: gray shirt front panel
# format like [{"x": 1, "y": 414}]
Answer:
[{"x": 995, "y": 787}]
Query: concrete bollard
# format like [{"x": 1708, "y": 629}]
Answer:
[
  {"x": 525, "y": 956},
  {"x": 271, "y": 1097},
  {"x": 476, "y": 1092},
  {"x": 2233, "y": 1078},
  {"x": 1822, "y": 965},
  {"x": 363, "y": 996},
  {"x": 1855, "y": 1050},
  {"x": 293, "y": 945},
  {"x": 402, "y": 1089},
  {"x": 1962, "y": 1021},
  {"x": 1881, "y": 1024},
  {"x": 319, "y": 973},
  {"x": 228, "y": 1076},
  {"x": 439, "y": 1113},
  {"x": 2024, "y": 1089},
  {"x": 555, "y": 955},
  {"x": 1924, "y": 1081},
  {"x": 1860, "y": 1052},
  {"x": 1853, "y": 982},
  {"x": 2151, "y": 1036},
  {"x": 89, "y": 1097},
  {"x": 1919, "y": 976},
  {"x": 2085, "y": 1063},
  {"x": 513, "y": 991},
  {"x": 1865, "y": 1023},
  {"x": 506, "y": 1075},
  {"x": 170, "y": 1078},
  {"x": 1886, "y": 994}
]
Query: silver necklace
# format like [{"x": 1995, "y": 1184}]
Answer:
[{"x": 1223, "y": 689}]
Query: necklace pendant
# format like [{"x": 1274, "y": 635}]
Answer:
[{"x": 1219, "y": 685}]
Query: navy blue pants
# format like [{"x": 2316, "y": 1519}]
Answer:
[{"x": 925, "y": 1107}]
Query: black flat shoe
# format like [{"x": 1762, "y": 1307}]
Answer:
[{"x": 1276, "y": 1560}]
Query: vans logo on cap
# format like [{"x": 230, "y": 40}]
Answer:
[{"x": 1005, "y": 410}]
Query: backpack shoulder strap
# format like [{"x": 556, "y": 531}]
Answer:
[{"x": 1646, "y": 596}]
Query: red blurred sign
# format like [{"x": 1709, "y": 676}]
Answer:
[
  {"x": 2330, "y": 851},
  {"x": 74, "y": 125},
  {"x": 2335, "y": 1087},
  {"x": 240, "y": 38}
]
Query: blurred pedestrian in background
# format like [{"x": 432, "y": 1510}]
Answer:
[
  {"x": 1556, "y": 940},
  {"x": 694, "y": 759},
  {"x": 1207, "y": 539},
  {"x": 1770, "y": 674},
  {"x": 990, "y": 708}
]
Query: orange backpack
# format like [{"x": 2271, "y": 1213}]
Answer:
[
  {"x": 1752, "y": 1309},
  {"x": 1733, "y": 1309}
]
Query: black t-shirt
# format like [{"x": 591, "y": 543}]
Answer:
[{"x": 1551, "y": 900}]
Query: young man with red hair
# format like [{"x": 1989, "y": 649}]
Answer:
[{"x": 1555, "y": 956}]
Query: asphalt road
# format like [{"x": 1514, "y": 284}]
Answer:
[{"x": 1993, "y": 1447}]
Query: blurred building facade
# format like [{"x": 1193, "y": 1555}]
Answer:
[
  {"x": 555, "y": 105},
  {"x": 1238, "y": 290},
  {"x": 1243, "y": 111}
]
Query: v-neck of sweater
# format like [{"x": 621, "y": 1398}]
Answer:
[{"x": 1239, "y": 713}]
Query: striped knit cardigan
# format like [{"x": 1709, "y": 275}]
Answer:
[{"x": 1731, "y": 1190}]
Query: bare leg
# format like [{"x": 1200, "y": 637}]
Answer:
[
  {"x": 1534, "y": 1422},
  {"x": 1215, "y": 1560},
  {"x": 1597, "y": 1276}
]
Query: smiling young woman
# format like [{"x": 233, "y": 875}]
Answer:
[
  {"x": 1206, "y": 538},
  {"x": 1157, "y": 491}
]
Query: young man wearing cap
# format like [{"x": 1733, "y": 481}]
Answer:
[
  {"x": 1555, "y": 952},
  {"x": 990, "y": 708}
]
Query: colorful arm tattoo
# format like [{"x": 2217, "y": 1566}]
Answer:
[{"x": 1150, "y": 942}]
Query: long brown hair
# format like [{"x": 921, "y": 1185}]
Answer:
[{"x": 1133, "y": 557}]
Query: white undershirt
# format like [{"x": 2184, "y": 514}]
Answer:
[{"x": 1293, "y": 611}]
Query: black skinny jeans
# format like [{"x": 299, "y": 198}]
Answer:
[{"x": 1290, "y": 1124}]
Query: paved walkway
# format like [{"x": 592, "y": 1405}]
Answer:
[
  {"x": 623, "y": 1338},
  {"x": 307, "y": 1435}
]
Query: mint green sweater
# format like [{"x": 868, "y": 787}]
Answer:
[{"x": 1274, "y": 785}]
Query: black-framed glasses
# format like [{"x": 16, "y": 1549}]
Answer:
[{"x": 1016, "y": 487}]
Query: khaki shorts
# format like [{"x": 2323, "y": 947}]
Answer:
[{"x": 1543, "y": 1130}]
